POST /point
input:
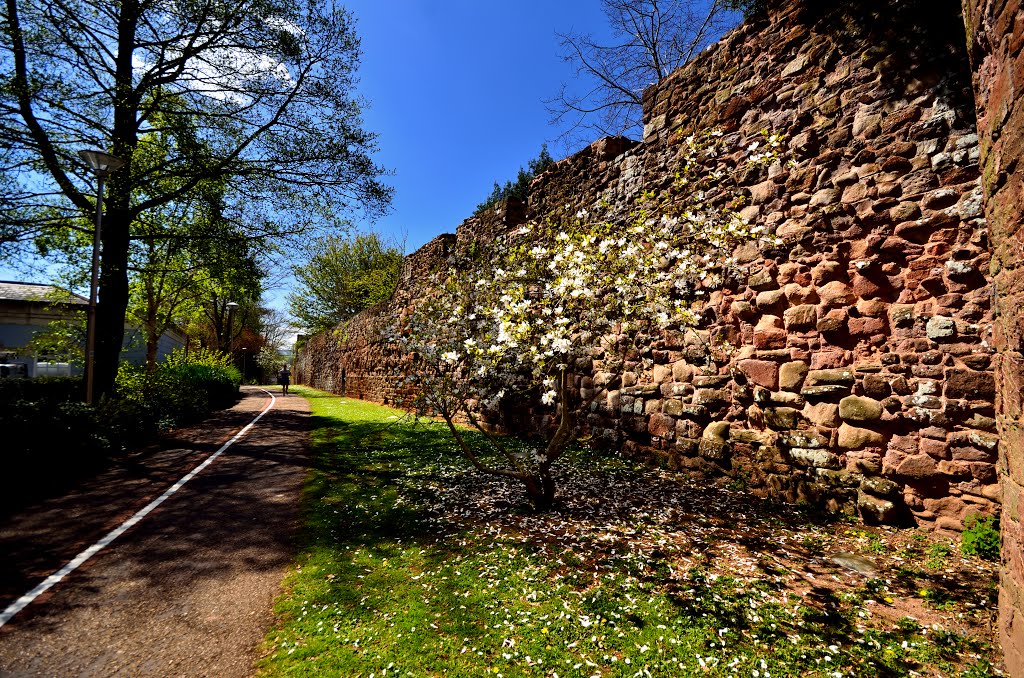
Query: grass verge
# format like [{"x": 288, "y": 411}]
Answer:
[{"x": 415, "y": 565}]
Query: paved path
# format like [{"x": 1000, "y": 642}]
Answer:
[{"x": 185, "y": 592}]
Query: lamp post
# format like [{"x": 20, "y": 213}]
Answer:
[
  {"x": 245, "y": 352},
  {"x": 101, "y": 164},
  {"x": 231, "y": 306}
]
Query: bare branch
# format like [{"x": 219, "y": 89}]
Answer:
[{"x": 650, "y": 39}]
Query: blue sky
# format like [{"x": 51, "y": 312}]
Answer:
[{"x": 455, "y": 91}]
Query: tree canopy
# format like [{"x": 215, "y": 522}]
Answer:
[
  {"x": 343, "y": 276},
  {"x": 520, "y": 188},
  {"x": 256, "y": 97}
]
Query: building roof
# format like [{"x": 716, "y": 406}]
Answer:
[{"x": 22, "y": 291}]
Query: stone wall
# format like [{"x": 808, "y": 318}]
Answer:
[
  {"x": 996, "y": 36},
  {"x": 862, "y": 376}
]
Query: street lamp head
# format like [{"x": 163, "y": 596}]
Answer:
[
  {"x": 100, "y": 162},
  {"x": 231, "y": 305}
]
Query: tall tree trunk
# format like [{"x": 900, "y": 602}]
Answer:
[
  {"x": 152, "y": 344},
  {"x": 993, "y": 39},
  {"x": 113, "y": 301},
  {"x": 151, "y": 320},
  {"x": 113, "y": 291}
]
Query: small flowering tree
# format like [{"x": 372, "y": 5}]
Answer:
[{"x": 554, "y": 295}]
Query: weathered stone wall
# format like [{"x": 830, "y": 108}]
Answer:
[
  {"x": 862, "y": 379},
  {"x": 995, "y": 37}
]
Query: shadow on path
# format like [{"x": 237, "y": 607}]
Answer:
[{"x": 188, "y": 590}]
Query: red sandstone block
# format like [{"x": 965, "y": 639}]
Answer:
[
  {"x": 1011, "y": 436},
  {"x": 1010, "y": 24},
  {"x": 937, "y": 449},
  {"x": 969, "y": 384},
  {"x": 950, "y": 507},
  {"x": 866, "y": 327},
  {"x": 773, "y": 338},
  {"x": 661, "y": 425},
  {"x": 827, "y": 360},
  {"x": 918, "y": 467},
  {"x": 761, "y": 372},
  {"x": 1011, "y": 634},
  {"x": 1009, "y": 374},
  {"x": 865, "y": 288},
  {"x": 983, "y": 472},
  {"x": 1004, "y": 210}
]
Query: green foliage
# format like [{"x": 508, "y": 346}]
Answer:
[
  {"x": 520, "y": 188},
  {"x": 48, "y": 390},
  {"x": 268, "y": 359},
  {"x": 205, "y": 357},
  {"x": 981, "y": 537},
  {"x": 277, "y": 156},
  {"x": 62, "y": 339},
  {"x": 343, "y": 276},
  {"x": 183, "y": 388},
  {"x": 938, "y": 556},
  {"x": 750, "y": 8},
  {"x": 54, "y": 435},
  {"x": 410, "y": 565},
  {"x": 937, "y": 599},
  {"x": 184, "y": 248}
]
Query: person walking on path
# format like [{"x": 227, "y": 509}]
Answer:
[{"x": 284, "y": 378}]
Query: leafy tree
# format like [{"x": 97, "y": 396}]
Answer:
[
  {"x": 218, "y": 325},
  {"x": 750, "y": 8},
  {"x": 343, "y": 276},
  {"x": 269, "y": 361},
  {"x": 520, "y": 188},
  {"x": 570, "y": 292},
  {"x": 180, "y": 247},
  {"x": 171, "y": 279},
  {"x": 650, "y": 39},
  {"x": 265, "y": 85},
  {"x": 62, "y": 339}
]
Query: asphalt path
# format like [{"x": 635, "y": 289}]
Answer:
[{"x": 186, "y": 591}]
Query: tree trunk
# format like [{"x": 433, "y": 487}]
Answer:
[
  {"x": 541, "y": 490},
  {"x": 113, "y": 289},
  {"x": 152, "y": 344},
  {"x": 113, "y": 301}
]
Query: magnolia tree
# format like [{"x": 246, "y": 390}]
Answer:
[{"x": 520, "y": 321}]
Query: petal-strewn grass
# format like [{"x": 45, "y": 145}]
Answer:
[{"x": 413, "y": 564}]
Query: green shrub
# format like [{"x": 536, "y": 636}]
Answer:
[
  {"x": 55, "y": 436},
  {"x": 46, "y": 389},
  {"x": 183, "y": 388},
  {"x": 981, "y": 536}
]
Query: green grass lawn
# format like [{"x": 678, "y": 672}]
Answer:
[{"x": 413, "y": 564}]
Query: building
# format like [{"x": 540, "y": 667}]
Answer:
[{"x": 26, "y": 309}]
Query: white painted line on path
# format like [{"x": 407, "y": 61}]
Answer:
[{"x": 24, "y": 601}]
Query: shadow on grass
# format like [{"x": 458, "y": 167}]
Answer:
[{"x": 393, "y": 490}]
